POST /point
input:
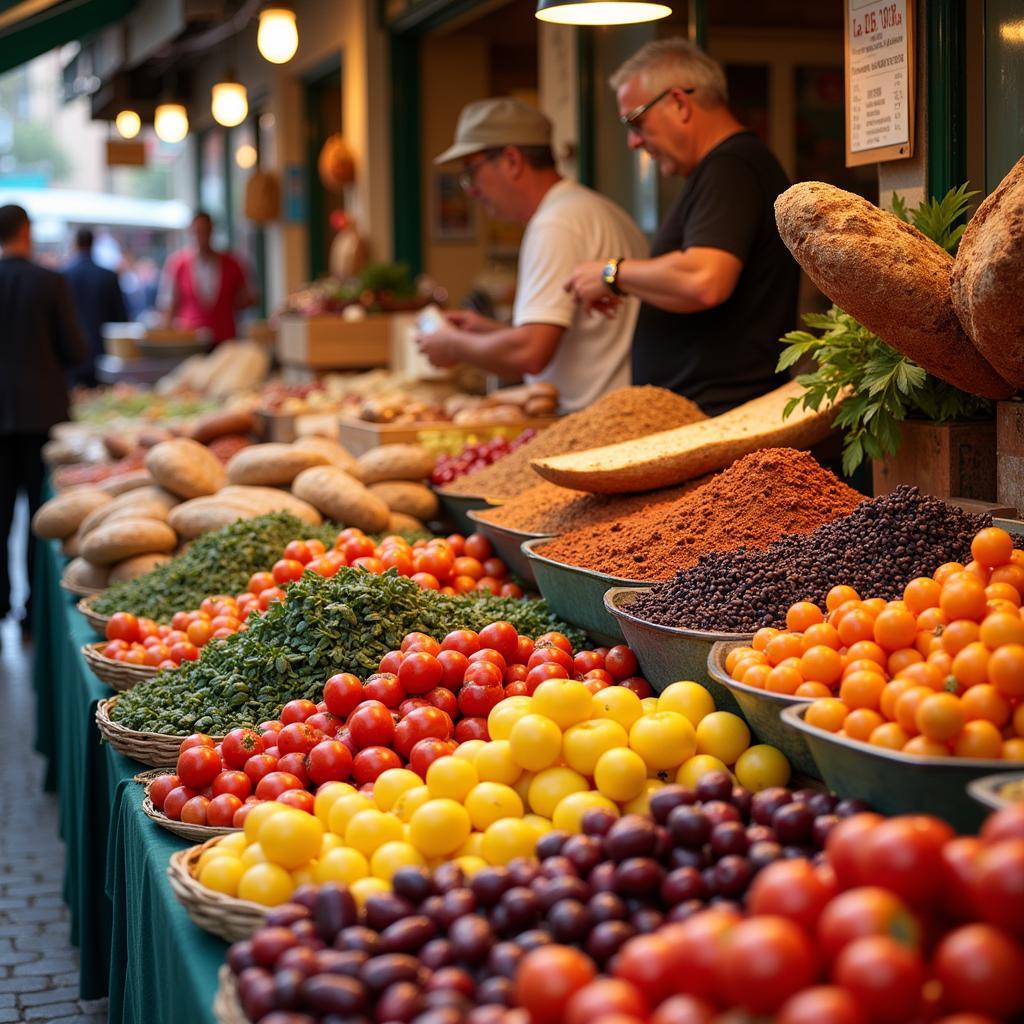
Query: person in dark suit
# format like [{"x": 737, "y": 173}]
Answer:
[
  {"x": 98, "y": 300},
  {"x": 40, "y": 342}
]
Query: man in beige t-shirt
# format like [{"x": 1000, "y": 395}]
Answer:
[{"x": 505, "y": 148}]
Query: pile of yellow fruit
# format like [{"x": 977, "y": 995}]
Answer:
[{"x": 552, "y": 757}]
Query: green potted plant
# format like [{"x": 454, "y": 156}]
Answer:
[{"x": 914, "y": 427}]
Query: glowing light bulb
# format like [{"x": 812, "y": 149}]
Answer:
[
  {"x": 128, "y": 124},
  {"x": 277, "y": 37},
  {"x": 600, "y": 12},
  {"x": 230, "y": 103},
  {"x": 170, "y": 122}
]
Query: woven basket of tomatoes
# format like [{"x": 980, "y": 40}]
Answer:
[
  {"x": 119, "y": 675},
  {"x": 185, "y": 829},
  {"x": 97, "y": 621},
  {"x": 149, "y": 748}
]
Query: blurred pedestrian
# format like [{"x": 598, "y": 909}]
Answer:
[
  {"x": 40, "y": 342},
  {"x": 98, "y": 301},
  {"x": 202, "y": 287}
]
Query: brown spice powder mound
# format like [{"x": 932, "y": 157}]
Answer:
[
  {"x": 760, "y": 498},
  {"x": 621, "y": 415}
]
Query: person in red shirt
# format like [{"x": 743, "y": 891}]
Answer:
[{"x": 202, "y": 288}]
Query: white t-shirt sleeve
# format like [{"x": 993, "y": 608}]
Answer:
[{"x": 549, "y": 253}]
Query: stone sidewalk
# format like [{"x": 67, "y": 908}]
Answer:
[{"x": 38, "y": 964}]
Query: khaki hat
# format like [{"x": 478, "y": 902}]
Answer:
[{"x": 491, "y": 124}]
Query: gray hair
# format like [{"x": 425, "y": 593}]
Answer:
[{"x": 667, "y": 62}]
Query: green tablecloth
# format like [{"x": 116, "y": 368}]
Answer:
[{"x": 160, "y": 967}]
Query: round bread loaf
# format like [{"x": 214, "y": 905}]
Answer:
[
  {"x": 185, "y": 468},
  {"x": 218, "y": 424},
  {"x": 336, "y": 454},
  {"x": 272, "y": 499},
  {"x": 84, "y": 574},
  {"x": 988, "y": 277},
  {"x": 125, "y": 538},
  {"x": 400, "y": 522},
  {"x": 139, "y": 565},
  {"x": 395, "y": 462},
  {"x": 124, "y": 482},
  {"x": 413, "y": 499},
  {"x": 887, "y": 275},
  {"x": 59, "y": 517},
  {"x": 272, "y": 464},
  {"x": 197, "y": 516},
  {"x": 342, "y": 498},
  {"x": 149, "y": 502}
]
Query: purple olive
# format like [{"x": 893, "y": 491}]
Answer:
[
  {"x": 455, "y": 903},
  {"x": 583, "y": 852},
  {"x": 358, "y": 937},
  {"x": 683, "y": 911},
  {"x": 760, "y": 833},
  {"x": 568, "y": 921},
  {"x": 557, "y": 866},
  {"x": 631, "y": 836},
  {"x": 683, "y": 857},
  {"x": 413, "y": 884},
  {"x": 646, "y": 920},
  {"x": 550, "y": 844},
  {"x": 597, "y": 821},
  {"x": 495, "y": 991},
  {"x": 717, "y": 811},
  {"x": 504, "y": 959},
  {"x": 334, "y": 993},
  {"x": 399, "y": 1002},
  {"x": 448, "y": 875},
  {"x": 823, "y": 824},
  {"x": 792, "y": 823},
  {"x": 334, "y": 909},
  {"x": 728, "y": 837},
  {"x": 732, "y": 875},
  {"x": 305, "y": 896},
  {"x": 471, "y": 938},
  {"x": 240, "y": 956},
  {"x": 453, "y": 979},
  {"x": 408, "y": 935},
  {"x": 716, "y": 785},
  {"x": 822, "y": 803},
  {"x": 521, "y": 906},
  {"x": 285, "y": 914},
  {"x": 681, "y": 885},
  {"x": 765, "y": 803},
  {"x": 666, "y": 799},
  {"x": 432, "y": 1014},
  {"x": 567, "y": 887},
  {"x": 389, "y": 968},
  {"x": 437, "y": 953},
  {"x": 848, "y": 808},
  {"x": 533, "y": 939},
  {"x": 602, "y": 878},
  {"x": 256, "y": 992},
  {"x": 269, "y": 943},
  {"x": 689, "y": 826},
  {"x": 302, "y": 958},
  {"x": 639, "y": 876},
  {"x": 606, "y": 906},
  {"x": 287, "y": 984},
  {"x": 607, "y": 939},
  {"x": 762, "y": 853},
  {"x": 384, "y": 908},
  {"x": 489, "y": 884},
  {"x": 523, "y": 870},
  {"x": 340, "y": 961}
]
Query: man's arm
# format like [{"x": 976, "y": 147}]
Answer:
[
  {"x": 686, "y": 281},
  {"x": 68, "y": 339},
  {"x": 507, "y": 352},
  {"x": 117, "y": 311}
]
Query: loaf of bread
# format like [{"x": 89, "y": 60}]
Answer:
[
  {"x": 342, "y": 498},
  {"x": 139, "y": 565},
  {"x": 673, "y": 456},
  {"x": 197, "y": 516},
  {"x": 887, "y": 275},
  {"x": 336, "y": 454},
  {"x": 81, "y": 573},
  {"x": 272, "y": 499},
  {"x": 124, "y": 482},
  {"x": 988, "y": 277},
  {"x": 60, "y": 517},
  {"x": 416, "y": 500},
  {"x": 395, "y": 462},
  {"x": 185, "y": 468},
  {"x": 150, "y": 502},
  {"x": 217, "y": 424},
  {"x": 270, "y": 465},
  {"x": 402, "y": 523},
  {"x": 125, "y": 538}
]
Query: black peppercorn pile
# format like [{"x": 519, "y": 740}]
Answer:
[{"x": 877, "y": 549}]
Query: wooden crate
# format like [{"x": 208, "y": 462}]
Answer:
[
  {"x": 329, "y": 342},
  {"x": 948, "y": 460},
  {"x": 1010, "y": 453},
  {"x": 441, "y": 438}
]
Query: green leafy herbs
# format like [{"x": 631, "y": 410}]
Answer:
[
  {"x": 343, "y": 624},
  {"x": 885, "y": 386}
]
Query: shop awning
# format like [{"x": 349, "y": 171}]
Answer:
[{"x": 29, "y": 28}]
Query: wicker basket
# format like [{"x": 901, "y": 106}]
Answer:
[
  {"x": 116, "y": 674},
  {"x": 77, "y": 589},
  {"x": 229, "y": 918},
  {"x": 153, "y": 748},
  {"x": 226, "y": 1007},
  {"x": 97, "y": 621},
  {"x": 195, "y": 833}
]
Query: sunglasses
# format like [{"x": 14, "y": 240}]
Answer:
[
  {"x": 467, "y": 178},
  {"x": 634, "y": 119}
]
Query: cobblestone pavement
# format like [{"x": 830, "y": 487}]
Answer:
[{"x": 38, "y": 965}]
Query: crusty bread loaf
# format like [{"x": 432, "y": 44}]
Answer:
[
  {"x": 887, "y": 275},
  {"x": 139, "y": 565},
  {"x": 413, "y": 499},
  {"x": 336, "y": 454},
  {"x": 151, "y": 502},
  {"x": 988, "y": 277},
  {"x": 273, "y": 499},
  {"x": 400, "y": 522},
  {"x": 124, "y": 482},
  {"x": 217, "y": 424},
  {"x": 197, "y": 516},
  {"x": 185, "y": 468},
  {"x": 395, "y": 462},
  {"x": 672, "y": 456},
  {"x": 269, "y": 465},
  {"x": 125, "y": 538},
  {"x": 59, "y": 517},
  {"x": 342, "y": 498},
  {"x": 84, "y": 574}
]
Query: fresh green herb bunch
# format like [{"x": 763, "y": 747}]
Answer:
[
  {"x": 343, "y": 624},
  {"x": 219, "y": 562},
  {"x": 886, "y": 387}
]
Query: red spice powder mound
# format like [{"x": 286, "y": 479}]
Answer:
[{"x": 757, "y": 500}]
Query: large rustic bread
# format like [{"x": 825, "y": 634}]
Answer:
[
  {"x": 71, "y": 547},
  {"x": 149, "y": 502},
  {"x": 61, "y": 516},
  {"x": 272, "y": 464},
  {"x": 413, "y": 499},
  {"x": 399, "y": 522},
  {"x": 887, "y": 275},
  {"x": 988, "y": 277},
  {"x": 395, "y": 462},
  {"x": 185, "y": 468},
  {"x": 672, "y": 456},
  {"x": 342, "y": 498},
  {"x": 273, "y": 499},
  {"x": 139, "y": 565},
  {"x": 218, "y": 424},
  {"x": 197, "y": 516},
  {"x": 124, "y": 482},
  {"x": 125, "y": 538},
  {"x": 84, "y": 574},
  {"x": 336, "y": 454}
]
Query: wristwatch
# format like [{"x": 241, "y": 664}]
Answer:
[{"x": 610, "y": 275}]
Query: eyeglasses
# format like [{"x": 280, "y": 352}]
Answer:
[
  {"x": 634, "y": 119},
  {"x": 467, "y": 179}
]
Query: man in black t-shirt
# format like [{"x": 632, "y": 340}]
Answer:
[{"x": 720, "y": 288}]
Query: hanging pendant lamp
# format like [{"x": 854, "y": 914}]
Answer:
[
  {"x": 277, "y": 37},
  {"x": 600, "y": 12}
]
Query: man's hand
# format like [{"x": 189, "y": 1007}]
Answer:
[
  {"x": 475, "y": 323},
  {"x": 589, "y": 290},
  {"x": 443, "y": 347}
]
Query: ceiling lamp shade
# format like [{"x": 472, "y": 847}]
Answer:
[
  {"x": 170, "y": 122},
  {"x": 600, "y": 12},
  {"x": 277, "y": 37},
  {"x": 246, "y": 156},
  {"x": 230, "y": 103},
  {"x": 128, "y": 124}
]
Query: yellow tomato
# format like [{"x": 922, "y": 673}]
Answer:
[
  {"x": 342, "y": 864},
  {"x": 539, "y": 822},
  {"x": 569, "y": 813},
  {"x": 390, "y": 857},
  {"x": 505, "y": 714},
  {"x": 470, "y": 864},
  {"x": 553, "y": 785},
  {"x": 268, "y": 884},
  {"x": 723, "y": 735},
  {"x": 641, "y": 803},
  {"x": 564, "y": 701},
  {"x": 522, "y": 786},
  {"x": 222, "y": 874},
  {"x": 234, "y": 843},
  {"x": 472, "y": 847},
  {"x": 345, "y": 808},
  {"x": 409, "y": 801},
  {"x": 391, "y": 784},
  {"x": 762, "y": 766},
  {"x": 535, "y": 742},
  {"x": 212, "y": 853},
  {"x": 259, "y": 814},
  {"x": 664, "y": 739},
  {"x": 507, "y": 839},
  {"x": 691, "y": 771},
  {"x": 363, "y": 888},
  {"x": 494, "y": 763},
  {"x": 253, "y": 854},
  {"x": 451, "y": 777},
  {"x": 439, "y": 827},
  {"x": 330, "y": 842},
  {"x": 368, "y": 830},
  {"x": 488, "y": 802},
  {"x": 583, "y": 744},
  {"x": 468, "y": 749},
  {"x": 620, "y": 774},
  {"x": 304, "y": 875},
  {"x": 325, "y": 797},
  {"x": 689, "y": 699},
  {"x": 618, "y": 704},
  {"x": 649, "y": 705},
  {"x": 291, "y": 840}
]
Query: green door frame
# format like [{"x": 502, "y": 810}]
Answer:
[
  {"x": 316, "y": 232},
  {"x": 945, "y": 32}
]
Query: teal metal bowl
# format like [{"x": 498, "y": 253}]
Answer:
[
  {"x": 666, "y": 654},
  {"x": 761, "y": 709},
  {"x": 893, "y": 782},
  {"x": 988, "y": 790},
  {"x": 508, "y": 544},
  {"x": 458, "y": 506},
  {"x": 577, "y": 595}
]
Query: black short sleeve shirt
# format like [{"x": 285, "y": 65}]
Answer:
[{"x": 724, "y": 356}]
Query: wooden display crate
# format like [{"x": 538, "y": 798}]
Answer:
[
  {"x": 439, "y": 438},
  {"x": 330, "y": 342},
  {"x": 1010, "y": 453}
]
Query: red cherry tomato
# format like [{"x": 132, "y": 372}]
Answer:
[
  {"x": 298, "y": 738},
  {"x": 419, "y": 725},
  {"x": 822, "y": 1004},
  {"x": 193, "y": 811},
  {"x": 904, "y": 855},
  {"x": 297, "y": 711},
  {"x": 160, "y": 787},
  {"x": 298, "y": 551},
  {"x": 324, "y": 722},
  {"x": 454, "y": 665},
  {"x": 585, "y": 661},
  {"x": 483, "y": 673},
  {"x": 792, "y": 889},
  {"x": 427, "y": 751},
  {"x": 476, "y": 700},
  {"x": 371, "y": 725},
  {"x": 999, "y": 884},
  {"x": 342, "y": 693},
  {"x": 541, "y": 673},
  {"x": 550, "y": 655},
  {"x": 465, "y": 641},
  {"x": 621, "y": 662},
  {"x": 294, "y": 764},
  {"x": 419, "y": 672},
  {"x": 329, "y": 761},
  {"x": 297, "y": 798},
  {"x": 258, "y": 766},
  {"x": 239, "y": 745},
  {"x": 867, "y": 910},
  {"x": 221, "y": 810},
  {"x": 413, "y": 642},
  {"x": 443, "y": 698},
  {"x": 471, "y": 729},
  {"x": 639, "y": 686},
  {"x": 123, "y": 626},
  {"x": 197, "y": 739},
  {"x": 371, "y": 761},
  {"x": 234, "y": 782},
  {"x": 884, "y": 976},
  {"x": 385, "y": 688},
  {"x": 845, "y": 844},
  {"x": 502, "y": 637},
  {"x": 176, "y": 800},
  {"x": 981, "y": 968},
  {"x": 198, "y": 766},
  {"x": 271, "y": 786}
]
